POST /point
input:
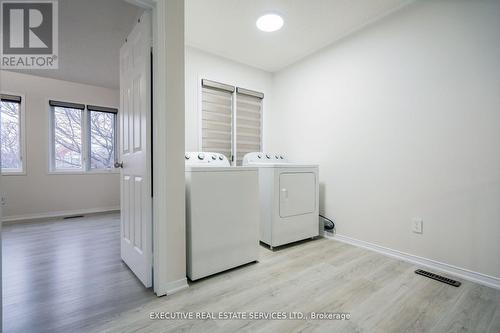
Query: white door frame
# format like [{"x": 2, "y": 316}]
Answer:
[
  {"x": 169, "y": 230},
  {"x": 1, "y": 288}
]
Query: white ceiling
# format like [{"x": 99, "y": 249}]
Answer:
[
  {"x": 227, "y": 27},
  {"x": 91, "y": 33}
]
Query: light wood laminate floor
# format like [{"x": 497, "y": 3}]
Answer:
[{"x": 63, "y": 276}]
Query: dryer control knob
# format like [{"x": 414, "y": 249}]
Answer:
[
  {"x": 268, "y": 156},
  {"x": 201, "y": 156},
  {"x": 259, "y": 156},
  {"x": 213, "y": 157},
  {"x": 281, "y": 156},
  {"x": 276, "y": 156},
  {"x": 186, "y": 156},
  {"x": 220, "y": 157}
]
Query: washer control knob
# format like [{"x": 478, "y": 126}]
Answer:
[
  {"x": 268, "y": 156},
  {"x": 213, "y": 157},
  {"x": 221, "y": 158},
  {"x": 276, "y": 156},
  {"x": 201, "y": 156},
  {"x": 281, "y": 156},
  {"x": 186, "y": 156},
  {"x": 259, "y": 156}
]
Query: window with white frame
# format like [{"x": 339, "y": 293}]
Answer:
[
  {"x": 102, "y": 137},
  {"x": 12, "y": 134},
  {"x": 231, "y": 120},
  {"x": 67, "y": 137},
  {"x": 81, "y": 138}
]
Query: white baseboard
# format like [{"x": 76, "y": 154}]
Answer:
[
  {"x": 64, "y": 213},
  {"x": 486, "y": 280},
  {"x": 172, "y": 287}
]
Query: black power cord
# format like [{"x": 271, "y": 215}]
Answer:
[{"x": 329, "y": 224}]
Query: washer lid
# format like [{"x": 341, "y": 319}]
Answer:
[{"x": 207, "y": 168}]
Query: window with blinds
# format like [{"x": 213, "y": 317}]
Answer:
[
  {"x": 82, "y": 138},
  {"x": 248, "y": 122},
  {"x": 231, "y": 120},
  {"x": 217, "y": 117}
]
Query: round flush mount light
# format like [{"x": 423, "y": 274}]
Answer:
[{"x": 269, "y": 22}]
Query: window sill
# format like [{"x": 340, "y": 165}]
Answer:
[
  {"x": 13, "y": 173},
  {"x": 108, "y": 171},
  {"x": 83, "y": 173}
]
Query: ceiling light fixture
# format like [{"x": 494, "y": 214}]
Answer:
[{"x": 269, "y": 22}]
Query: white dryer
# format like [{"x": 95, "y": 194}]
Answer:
[
  {"x": 289, "y": 198},
  {"x": 222, "y": 214}
]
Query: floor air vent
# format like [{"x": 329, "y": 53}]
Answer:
[
  {"x": 438, "y": 278},
  {"x": 73, "y": 217}
]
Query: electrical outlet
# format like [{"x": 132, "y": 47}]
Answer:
[{"x": 418, "y": 225}]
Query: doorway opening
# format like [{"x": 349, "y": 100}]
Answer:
[{"x": 76, "y": 235}]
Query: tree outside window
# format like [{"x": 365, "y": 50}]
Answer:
[
  {"x": 10, "y": 117},
  {"x": 83, "y": 139},
  {"x": 102, "y": 140}
]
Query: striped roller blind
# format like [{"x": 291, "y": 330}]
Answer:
[
  {"x": 217, "y": 117},
  {"x": 248, "y": 122}
]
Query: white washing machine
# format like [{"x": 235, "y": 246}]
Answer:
[
  {"x": 289, "y": 198},
  {"x": 222, "y": 214}
]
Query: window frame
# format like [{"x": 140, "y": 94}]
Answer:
[
  {"x": 89, "y": 142},
  {"x": 52, "y": 160},
  {"x": 233, "y": 161},
  {"x": 256, "y": 94},
  {"x": 86, "y": 141},
  {"x": 200, "y": 113},
  {"x": 22, "y": 136}
]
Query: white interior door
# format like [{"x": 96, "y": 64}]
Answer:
[{"x": 135, "y": 151}]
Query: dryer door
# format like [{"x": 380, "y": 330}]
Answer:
[{"x": 297, "y": 193}]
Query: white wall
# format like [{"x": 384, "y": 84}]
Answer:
[
  {"x": 202, "y": 65},
  {"x": 39, "y": 192},
  {"x": 169, "y": 213},
  {"x": 404, "y": 120}
]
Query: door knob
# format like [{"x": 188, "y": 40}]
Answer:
[{"x": 119, "y": 165}]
